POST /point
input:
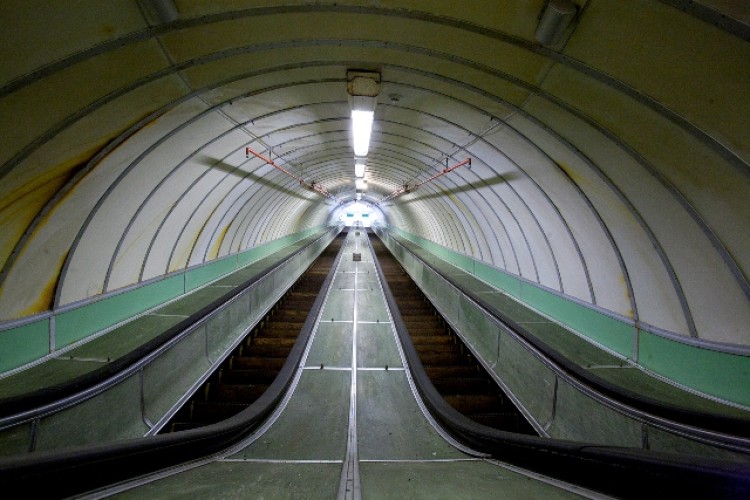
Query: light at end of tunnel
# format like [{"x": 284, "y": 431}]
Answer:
[
  {"x": 359, "y": 168},
  {"x": 362, "y": 127}
]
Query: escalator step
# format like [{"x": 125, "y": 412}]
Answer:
[
  {"x": 443, "y": 358},
  {"x": 463, "y": 385},
  {"x": 271, "y": 341},
  {"x": 473, "y": 403},
  {"x": 282, "y": 329},
  {"x": 248, "y": 376},
  {"x": 418, "y": 340},
  {"x": 434, "y": 347},
  {"x": 215, "y": 412},
  {"x": 255, "y": 363},
  {"x": 236, "y": 393},
  {"x": 267, "y": 350},
  {"x": 443, "y": 372}
]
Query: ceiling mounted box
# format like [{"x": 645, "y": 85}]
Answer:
[
  {"x": 363, "y": 83},
  {"x": 363, "y": 87}
]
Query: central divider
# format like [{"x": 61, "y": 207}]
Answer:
[{"x": 350, "y": 487}]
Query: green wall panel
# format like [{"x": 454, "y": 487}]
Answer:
[
  {"x": 709, "y": 371},
  {"x": 81, "y": 322},
  {"x": 607, "y": 331},
  {"x": 209, "y": 272},
  {"x": 24, "y": 344},
  {"x": 713, "y": 372},
  {"x": 253, "y": 254},
  {"x": 498, "y": 279},
  {"x": 250, "y": 256}
]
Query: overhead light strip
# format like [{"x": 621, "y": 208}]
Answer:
[
  {"x": 362, "y": 128},
  {"x": 359, "y": 169},
  {"x": 363, "y": 87}
]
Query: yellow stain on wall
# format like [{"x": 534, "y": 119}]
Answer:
[
  {"x": 15, "y": 218},
  {"x": 45, "y": 299},
  {"x": 213, "y": 252},
  {"x": 629, "y": 313},
  {"x": 570, "y": 173},
  {"x": 64, "y": 170}
]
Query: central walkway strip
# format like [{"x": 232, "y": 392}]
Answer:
[{"x": 349, "y": 488}]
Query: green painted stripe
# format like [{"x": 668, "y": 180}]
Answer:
[
  {"x": 498, "y": 279},
  {"x": 206, "y": 273},
  {"x": 24, "y": 344},
  {"x": 709, "y": 371},
  {"x": 249, "y": 256},
  {"x": 76, "y": 324},
  {"x": 718, "y": 373},
  {"x": 265, "y": 249},
  {"x": 604, "y": 330}
]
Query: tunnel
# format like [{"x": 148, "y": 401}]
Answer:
[{"x": 566, "y": 181}]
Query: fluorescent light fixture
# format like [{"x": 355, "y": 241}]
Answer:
[
  {"x": 166, "y": 10},
  {"x": 360, "y": 184},
  {"x": 359, "y": 169},
  {"x": 359, "y": 196},
  {"x": 362, "y": 127},
  {"x": 557, "y": 16}
]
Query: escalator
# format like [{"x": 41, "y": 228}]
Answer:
[
  {"x": 453, "y": 370},
  {"x": 247, "y": 372},
  {"x": 293, "y": 438},
  {"x": 253, "y": 365}
]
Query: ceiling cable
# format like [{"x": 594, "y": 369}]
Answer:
[
  {"x": 313, "y": 186},
  {"x": 408, "y": 189}
]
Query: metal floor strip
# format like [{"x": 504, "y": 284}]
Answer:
[{"x": 349, "y": 486}]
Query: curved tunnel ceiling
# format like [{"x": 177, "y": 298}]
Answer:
[{"x": 611, "y": 168}]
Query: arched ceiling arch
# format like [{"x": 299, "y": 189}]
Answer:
[{"x": 611, "y": 168}]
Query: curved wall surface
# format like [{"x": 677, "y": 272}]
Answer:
[{"x": 610, "y": 168}]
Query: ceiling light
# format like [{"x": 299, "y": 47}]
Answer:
[
  {"x": 359, "y": 196},
  {"x": 360, "y": 184},
  {"x": 166, "y": 10},
  {"x": 362, "y": 127},
  {"x": 363, "y": 88},
  {"x": 359, "y": 169}
]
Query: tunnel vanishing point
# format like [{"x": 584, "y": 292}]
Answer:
[{"x": 567, "y": 181}]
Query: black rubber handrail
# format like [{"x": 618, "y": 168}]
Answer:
[
  {"x": 24, "y": 405},
  {"x": 722, "y": 424},
  {"x": 620, "y": 471},
  {"x": 79, "y": 470}
]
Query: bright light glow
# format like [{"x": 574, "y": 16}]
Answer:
[
  {"x": 359, "y": 196},
  {"x": 359, "y": 169},
  {"x": 358, "y": 213},
  {"x": 362, "y": 127},
  {"x": 360, "y": 184}
]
